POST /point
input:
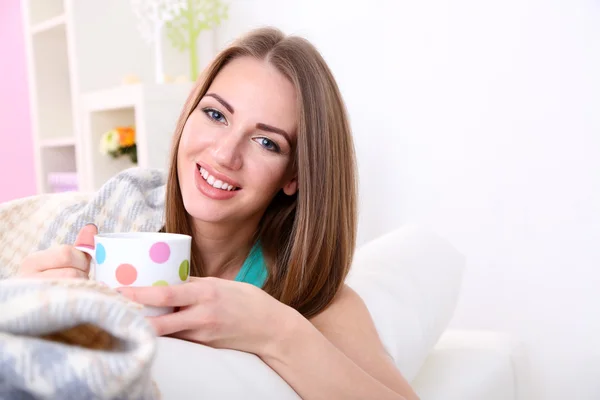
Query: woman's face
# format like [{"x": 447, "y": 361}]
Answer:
[{"x": 237, "y": 145}]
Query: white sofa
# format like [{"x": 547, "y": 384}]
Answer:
[
  {"x": 410, "y": 280},
  {"x": 463, "y": 365}
]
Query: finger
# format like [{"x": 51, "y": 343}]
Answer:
[
  {"x": 69, "y": 256},
  {"x": 190, "y": 335},
  {"x": 64, "y": 273},
  {"x": 34, "y": 263},
  {"x": 85, "y": 238},
  {"x": 161, "y": 296},
  {"x": 57, "y": 257},
  {"x": 177, "y": 322}
]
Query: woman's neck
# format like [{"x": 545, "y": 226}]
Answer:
[{"x": 223, "y": 250}]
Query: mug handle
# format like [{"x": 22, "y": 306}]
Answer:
[{"x": 88, "y": 250}]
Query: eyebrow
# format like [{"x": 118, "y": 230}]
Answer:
[
  {"x": 269, "y": 128},
  {"x": 222, "y": 101}
]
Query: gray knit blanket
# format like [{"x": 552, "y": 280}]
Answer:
[{"x": 74, "y": 339}]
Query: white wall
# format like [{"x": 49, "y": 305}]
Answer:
[{"x": 480, "y": 120}]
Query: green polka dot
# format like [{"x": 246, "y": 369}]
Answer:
[
  {"x": 160, "y": 283},
  {"x": 184, "y": 270}
]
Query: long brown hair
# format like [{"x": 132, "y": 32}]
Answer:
[{"x": 308, "y": 239}]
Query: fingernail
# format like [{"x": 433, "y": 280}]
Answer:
[{"x": 91, "y": 223}]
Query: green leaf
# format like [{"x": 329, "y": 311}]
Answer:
[
  {"x": 176, "y": 34},
  {"x": 200, "y": 15}
]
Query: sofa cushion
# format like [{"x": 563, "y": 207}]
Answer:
[
  {"x": 185, "y": 370},
  {"x": 473, "y": 365},
  {"x": 409, "y": 280}
]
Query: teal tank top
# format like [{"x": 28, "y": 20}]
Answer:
[{"x": 254, "y": 269}]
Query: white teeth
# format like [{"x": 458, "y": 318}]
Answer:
[{"x": 219, "y": 184}]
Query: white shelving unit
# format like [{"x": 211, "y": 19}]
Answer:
[
  {"x": 66, "y": 141},
  {"x": 49, "y": 24},
  {"x": 78, "y": 54},
  {"x": 49, "y": 88},
  {"x": 153, "y": 111}
]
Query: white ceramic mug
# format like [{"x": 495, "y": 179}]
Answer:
[{"x": 141, "y": 259}]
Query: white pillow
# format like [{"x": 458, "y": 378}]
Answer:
[{"x": 409, "y": 280}]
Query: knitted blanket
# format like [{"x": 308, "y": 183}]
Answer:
[{"x": 74, "y": 339}]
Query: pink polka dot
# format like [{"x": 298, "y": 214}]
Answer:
[
  {"x": 160, "y": 252},
  {"x": 126, "y": 274}
]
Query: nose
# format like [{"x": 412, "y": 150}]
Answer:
[{"x": 226, "y": 151}]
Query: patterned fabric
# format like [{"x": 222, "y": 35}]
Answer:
[
  {"x": 63, "y": 340},
  {"x": 131, "y": 201},
  {"x": 23, "y": 222},
  {"x": 74, "y": 339}
]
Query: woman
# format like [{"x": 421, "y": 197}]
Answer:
[{"x": 263, "y": 178}]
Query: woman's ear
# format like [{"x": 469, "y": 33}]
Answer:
[{"x": 291, "y": 187}]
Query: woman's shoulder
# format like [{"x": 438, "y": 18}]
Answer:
[{"x": 346, "y": 307}]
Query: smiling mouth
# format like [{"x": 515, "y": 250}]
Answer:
[{"x": 214, "y": 182}]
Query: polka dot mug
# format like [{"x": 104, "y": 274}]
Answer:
[{"x": 141, "y": 259}]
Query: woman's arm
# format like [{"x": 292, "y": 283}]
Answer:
[{"x": 338, "y": 356}]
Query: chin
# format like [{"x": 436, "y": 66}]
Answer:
[{"x": 202, "y": 210}]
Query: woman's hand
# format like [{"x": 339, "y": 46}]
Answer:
[
  {"x": 219, "y": 313},
  {"x": 62, "y": 261}
]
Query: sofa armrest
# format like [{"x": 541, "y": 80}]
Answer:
[
  {"x": 463, "y": 365},
  {"x": 474, "y": 365},
  {"x": 184, "y": 370}
]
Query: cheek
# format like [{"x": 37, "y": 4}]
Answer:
[
  {"x": 182, "y": 159},
  {"x": 185, "y": 152},
  {"x": 196, "y": 135},
  {"x": 187, "y": 142},
  {"x": 271, "y": 175}
]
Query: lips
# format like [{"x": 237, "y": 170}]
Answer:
[
  {"x": 216, "y": 180},
  {"x": 211, "y": 192}
]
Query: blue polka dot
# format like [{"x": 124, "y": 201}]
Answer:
[{"x": 100, "y": 254}]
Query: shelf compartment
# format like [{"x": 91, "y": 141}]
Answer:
[
  {"x": 65, "y": 141},
  {"x": 48, "y": 25},
  {"x": 53, "y": 86},
  {"x": 57, "y": 159},
  {"x": 62, "y": 182},
  {"x": 41, "y": 11},
  {"x": 152, "y": 109},
  {"x": 103, "y": 166}
]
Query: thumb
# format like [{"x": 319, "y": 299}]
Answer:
[{"x": 85, "y": 237}]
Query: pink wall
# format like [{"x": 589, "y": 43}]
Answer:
[{"x": 17, "y": 169}]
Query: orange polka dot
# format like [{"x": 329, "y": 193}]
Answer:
[{"x": 126, "y": 274}]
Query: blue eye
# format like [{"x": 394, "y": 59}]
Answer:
[
  {"x": 215, "y": 115},
  {"x": 268, "y": 144}
]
